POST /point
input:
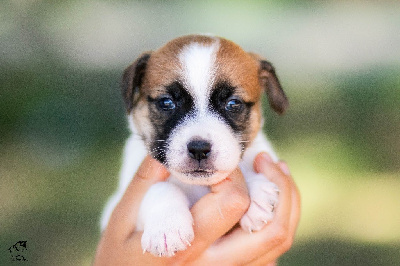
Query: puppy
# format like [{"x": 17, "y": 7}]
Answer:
[{"x": 195, "y": 106}]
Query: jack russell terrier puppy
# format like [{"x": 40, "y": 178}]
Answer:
[{"x": 195, "y": 106}]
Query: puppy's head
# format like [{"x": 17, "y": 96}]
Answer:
[{"x": 196, "y": 104}]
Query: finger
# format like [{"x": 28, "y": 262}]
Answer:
[
  {"x": 124, "y": 216},
  {"x": 286, "y": 244},
  {"x": 264, "y": 165},
  {"x": 118, "y": 243},
  {"x": 242, "y": 247},
  {"x": 284, "y": 167},
  {"x": 217, "y": 212},
  {"x": 296, "y": 202},
  {"x": 112, "y": 251},
  {"x": 213, "y": 216}
]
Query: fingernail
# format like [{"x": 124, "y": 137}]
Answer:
[
  {"x": 284, "y": 167},
  {"x": 262, "y": 158},
  {"x": 267, "y": 157}
]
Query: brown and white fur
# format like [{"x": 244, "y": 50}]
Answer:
[{"x": 195, "y": 105}]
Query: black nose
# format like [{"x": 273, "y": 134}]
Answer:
[{"x": 199, "y": 149}]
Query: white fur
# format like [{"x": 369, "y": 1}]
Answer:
[
  {"x": 165, "y": 208},
  {"x": 164, "y": 215},
  {"x": 264, "y": 197},
  {"x": 134, "y": 153},
  {"x": 225, "y": 148},
  {"x": 167, "y": 224},
  {"x": 198, "y": 62},
  {"x": 263, "y": 193},
  {"x": 198, "y": 70}
]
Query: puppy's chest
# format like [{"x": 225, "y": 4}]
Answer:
[{"x": 193, "y": 192}]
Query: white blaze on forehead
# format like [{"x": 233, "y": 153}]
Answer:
[{"x": 198, "y": 65}]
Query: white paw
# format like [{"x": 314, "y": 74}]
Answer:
[
  {"x": 264, "y": 198},
  {"x": 172, "y": 233}
]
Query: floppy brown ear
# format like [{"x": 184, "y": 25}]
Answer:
[
  {"x": 269, "y": 81},
  {"x": 132, "y": 81}
]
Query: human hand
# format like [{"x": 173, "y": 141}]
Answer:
[
  {"x": 214, "y": 215},
  {"x": 267, "y": 245}
]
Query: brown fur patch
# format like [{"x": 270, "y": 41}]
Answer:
[
  {"x": 241, "y": 70},
  {"x": 233, "y": 65},
  {"x": 164, "y": 67}
]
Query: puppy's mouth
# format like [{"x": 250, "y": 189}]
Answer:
[
  {"x": 200, "y": 176},
  {"x": 200, "y": 173}
]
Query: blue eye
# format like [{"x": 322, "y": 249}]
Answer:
[
  {"x": 166, "y": 104},
  {"x": 234, "y": 105}
]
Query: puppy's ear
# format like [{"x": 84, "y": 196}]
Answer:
[
  {"x": 132, "y": 81},
  {"x": 270, "y": 82}
]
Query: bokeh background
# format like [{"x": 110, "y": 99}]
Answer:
[{"x": 62, "y": 124}]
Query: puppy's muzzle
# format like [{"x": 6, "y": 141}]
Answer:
[{"x": 199, "y": 149}]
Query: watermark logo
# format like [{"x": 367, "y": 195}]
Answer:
[{"x": 18, "y": 251}]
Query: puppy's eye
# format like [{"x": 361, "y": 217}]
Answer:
[
  {"x": 234, "y": 105},
  {"x": 166, "y": 104}
]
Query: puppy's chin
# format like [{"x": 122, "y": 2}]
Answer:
[{"x": 203, "y": 178}]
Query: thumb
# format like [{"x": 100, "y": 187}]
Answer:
[
  {"x": 125, "y": 213},
  {"x": 217, "y": 212}
]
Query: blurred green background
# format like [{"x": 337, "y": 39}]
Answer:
[{"x": 62, "y": 124}]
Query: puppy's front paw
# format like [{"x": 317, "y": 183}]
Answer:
[
  {"x": 264, "y": 198},
  {"x": 167, "y": 235}
]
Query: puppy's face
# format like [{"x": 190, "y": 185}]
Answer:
[{"x": 196, "y": 104}]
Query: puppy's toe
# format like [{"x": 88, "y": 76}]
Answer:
[
  {"x": 264, "y": 198},
  {"x": 167, "y": 237}
]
